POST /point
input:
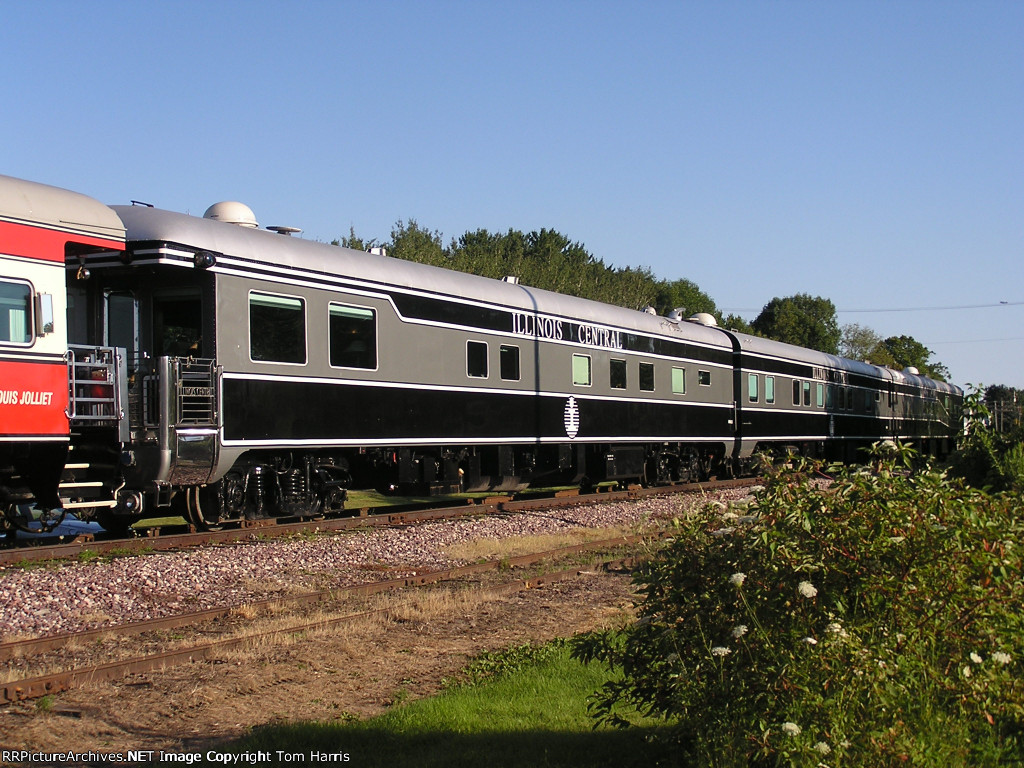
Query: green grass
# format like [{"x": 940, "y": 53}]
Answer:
[{"x": 526, "y": 714}]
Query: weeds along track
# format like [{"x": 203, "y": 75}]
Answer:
[
  {"x": 180, "y": 536},
  {"x": 289, "y": 616}
]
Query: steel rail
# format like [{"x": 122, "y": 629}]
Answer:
[
  {"x": 36, "y": 687},
  {"x": 491, "y": 505}
]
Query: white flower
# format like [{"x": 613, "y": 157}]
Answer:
[
  {"x": 791, "y": 729},
  {"x": 809, "y": 641},
  {"x": 835, "y": 628},
  {"x": 966, "y": 671},
  {"x": 739, "y": 631},
  {"x": 822, "y": 748},
  {"x": 719, "y": 650},
  {"x": 1001, "y": 658},
  {"x": 975, "y": 658},
  {"x": 737, "y": 579},
  {"x": 807, "y": 589}
]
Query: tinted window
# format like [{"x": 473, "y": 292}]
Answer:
[
  {"x": 769, "y": 389},
  {"x": 353, "y": 336},
  {"x": 617, "y": 374},
  {"x": 476, "y": 359},
  {"x": 752, "y": 394},
  {"x": 647, "y": 377},
  {"x": 509, "y": 362},
  {"x": 277, "y": 328}
]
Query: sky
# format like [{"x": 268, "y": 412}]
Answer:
[{"x": 868, "y": 152}]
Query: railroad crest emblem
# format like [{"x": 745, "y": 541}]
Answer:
[{"x": 571, "y": 417}]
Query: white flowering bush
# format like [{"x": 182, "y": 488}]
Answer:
[{"x": 872, "y": 619}]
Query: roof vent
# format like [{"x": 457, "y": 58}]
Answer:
[
  {"x": 232, "y": 212},
  {"x": 378, "y": 250},
  {"x": 286, "y": 231},
  {"x": 912, "y": 370},
  {"x": 510, "y": 279},
  {"x": 650, "y": 311},
  {"x": 704, "y": 318}
]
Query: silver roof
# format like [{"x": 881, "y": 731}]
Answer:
[
  {"x": 152, "y": 224},
  {"x": 30, "y": 202},
  {"x": 777, "y": 349}
]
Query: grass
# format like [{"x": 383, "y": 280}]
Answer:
[{"x": 530, "y": 711}]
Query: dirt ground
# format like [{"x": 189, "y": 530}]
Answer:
[{"x": 360, "y": 670}]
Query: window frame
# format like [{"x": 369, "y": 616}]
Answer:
[
  {"x": 376, "y": 346},
  {"x": 614, "y": 364},
  {"x": 576, "y": 356},
  {"x": 486, "y": 361},
  {"x": 305, "y": 327},
  {"x": 643, "y": 383},
  {"x": 502, "y": 349},
  {"x": 681, "y": 388},
  {"x": 30, "y": 311}
]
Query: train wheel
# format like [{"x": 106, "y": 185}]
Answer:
[{"x": 202, "y": 503}]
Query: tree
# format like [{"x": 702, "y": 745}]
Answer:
[
  {"x": 737, "y": 323},
  {"x": 354, "y": 242},
  {"x": 413, "y": 243},
  {"x": 859, "y": 342},
  {"x": 685, "y": 296},
  {"x": 908, "y": 352},
  {"x": 804, "y": 320}
]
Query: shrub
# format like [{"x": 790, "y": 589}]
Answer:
[{"x": 869, "y": 619}]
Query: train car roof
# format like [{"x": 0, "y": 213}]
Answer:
[
  {"x": 28, "y": 202},
  {"x": 146, "y": 224},
  {"x": 782, "y": 351}
]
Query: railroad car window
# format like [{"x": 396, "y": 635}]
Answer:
[
  {"x": 277, "y": 328},
  {"x": 849, "y": 399},
  {"x": 476, "y": 359},
  {"x": 796, "y": 392},
  {"x": 581, "y": 370},
  {"x": 617, "y": 374},
  {"x": 352, "y": 333},
  {"x": 752, "y": 393},
  {"x": 647, "y": 377},
  {"x": 807, "y": 393},
  {"x": 704, "y": 378},
  {"x": 769, "y": 389},
  {"x": 679, "y": 381},
  {"x": 830, "y": 397},
  {"x": 508, "y": 359},
  {"x": 15, "y": 312},
  {"x": 821, "y": 395},
  {"x": 868, "y": 401}
]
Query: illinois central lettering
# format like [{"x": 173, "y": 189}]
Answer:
[
  {"x": 541, "y": 327},
  {"x": 596, "y": 336},
  {"x": 537, "y": 325}
]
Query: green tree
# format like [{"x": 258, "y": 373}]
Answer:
[
  {"x": 804, "y": 320},
  {"x": 413, "y": 243},
  {"x": 685, "y": 296},
  {"x": 354, "y": 242},
  {"x": 858, "y": 342},
  {"x": 908, "y": 352}
]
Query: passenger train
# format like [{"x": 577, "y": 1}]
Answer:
[{"x": 155, "y": 361}]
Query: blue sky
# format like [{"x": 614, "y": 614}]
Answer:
[{"x": 867, "y": 152}]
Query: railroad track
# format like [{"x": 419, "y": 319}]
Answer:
[
  {"x": 36, "y": 552},
  {"x": 42, "y": 685}
]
